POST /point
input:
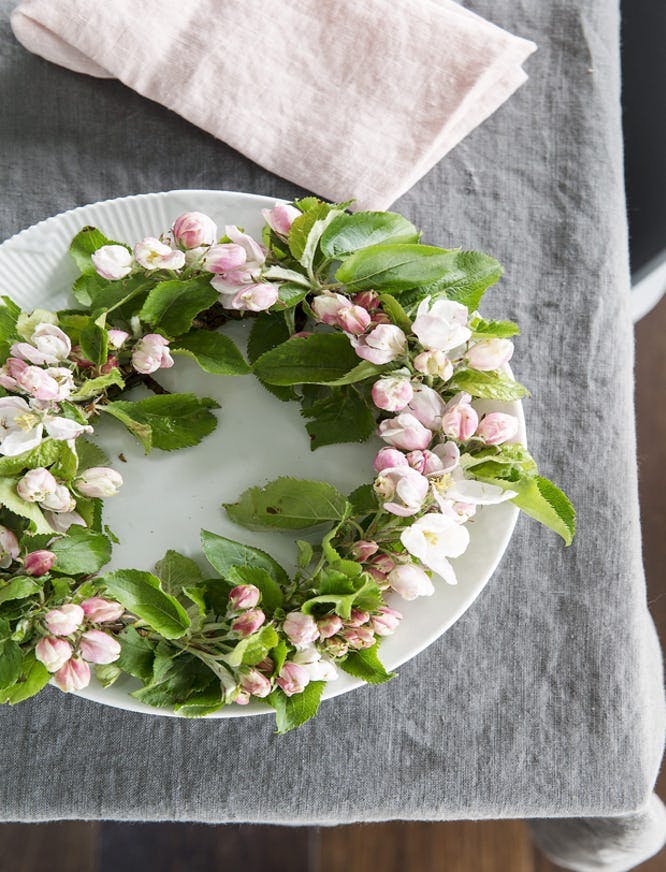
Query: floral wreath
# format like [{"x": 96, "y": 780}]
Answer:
[{"x": 371, "y": 331}]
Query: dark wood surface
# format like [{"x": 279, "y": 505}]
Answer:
[{"x": 493, "y": 846}]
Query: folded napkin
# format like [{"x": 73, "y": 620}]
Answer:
[{"x": 344, "y": 98}]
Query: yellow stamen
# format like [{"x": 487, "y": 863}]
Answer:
[{"x": 26, "y": 421}]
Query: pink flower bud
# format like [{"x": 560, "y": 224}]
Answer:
[
  {"x": 385, "y": 621},
  {"x": 382, "y": 563},
  {"x": 65, "y": 619},
  {"x": 36, "y": 484},
  {"x": 434, "y": 363},
  {"x": 38, "y": 383},
  {"x": 336, "y": 647},
  {"x": 382, "y": 345},
  {"x": 244, "y": 596},
  {"x": 194, "y": 229},
  {"x": 497, "y": 428},
  {"x": 460, "y": 420},
  {"x": 248, "y": 622},
  {"x": 9, "y": 547},
  {"x": 256, "y": 297},
  {"x": 242, "y": 698},
  {"x": 363, "y": 549},
  {"x": 293, "y": 678},
  {"x": 427, "y": 406},
  {"x": 98, "y": 647},
  {"x": 405, "y": 431},
  {"x": 367, "y": 299},
  {"x": 329, "y": 626},
  {"x": 387, "y": 458},
  {"x": 52, "y": 652},
  {"x": 392, "y": 393},
  {"x": 100, "y": 611},
  {"x": 490, "y": 354},
  {"x": 153, "y": 254},
  {"x": 410, "y": 581},
  {"x": 281, "y": 217},
  {"x": 254, "y": 683},
  {"x": 38, "y": 563},
  {"x": 358, "y": 618},
  {"x": 99, "y": 482},
  {"x": 300, "y": 628},
  {"x": 15, "y": 367},
  {"x": 117, "y": 338},
  {"x": 151, "y": 353},
  {"x": 425, "y": 462},
  {"x": 224, "y": 257},
  {"x": 112, "y": 262},
  {"x": 358, "y": 637},
  {"x": 327, "y": 307},
  {"x": 353, "y": 319},
  {"x": 74, "y": 675},
  {"x": 60, "y": 500}
]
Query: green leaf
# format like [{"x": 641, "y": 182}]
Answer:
[
  {"x": 94, "y": 342},
  {"x": 12, "y": 501},
  {"x": 395, "y": 312},
  {"x": 177, "y": 677},
  {"x": 305, "y": 553},
  {"x": 223, "y": 553},
  {"x": 344, "y": 592},
  {"x": 366, "y": 664},
  {"x": 292, "y": 711},
  {"x": 18, "y": 588},
  {"x": 487, "y": 385},
  {"x": 467, "y": 278},
  {"x": 306, "y": 230},
  {"x": 202, "y": 702},
  {"x": 176, "y": 572},
  {"x": 272, "y": 596},
  {"x": 107, "y": 673},
  {"x": 34, "y": 677},
  {"x": 322, "y": 358},
  {"x": 85, "y": 243},
  {"x": 288, "y": 504},
  {"x": 141, "y": 594},
  {"x": 214, "y": 352},
  {"x": 342, "y": 416},
  {"x": 46, "y": 453},
  {"x": 363, "y": 500},
  {"x": 66, "y": 465},
  {"x": 137, "y": 654},
  {"x": 542, "y": 500},
  {"x": 90, "y": 454},
  {"x": 252, "y": 649},
  {"x": 482, "y": 329},
  {"x": 395, "y": 267},
  {"x": 93, "y": 387},
  {"x": 9, "y": 313},
  {"x": 500, "y": 458},
  {"x": 349, "y": 233},
  {"x": 85, "y": 289},
  {"x": 166, "y": 421},
  {"x": 173, "y": 305},
  {"x": 289, "y": 295},
  {"x": 267, "y": 332},
  {"x": 11, "y": 661},
  {"x": 81, "y": 551},
  {"x": 279, "y": 273}
]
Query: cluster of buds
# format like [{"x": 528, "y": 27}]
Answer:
[
  {"x": 245, "y": 617},
  {"x": 74, "y": 639},
  {"x": 34, "y": 368},
  {"x": 369, "y": 330}
]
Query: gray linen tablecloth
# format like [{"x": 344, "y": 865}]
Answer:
[{"x": 545, "y": 699}]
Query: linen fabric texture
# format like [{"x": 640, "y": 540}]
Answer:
[{"x": 545, "y": 699}]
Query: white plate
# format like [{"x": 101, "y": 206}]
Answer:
[{"x": 168, "y": 497}]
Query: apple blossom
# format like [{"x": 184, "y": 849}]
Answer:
[
  {"x": 62, "y": 429},
  {"x": 433, "y": 538},
  {"x": 381, "y": 345},
  {"x": 385, "y": 621},
  {"x": 358, "y": 637},
  {"x": 48, "y": 345},
  {"x": 254, "y": 298},
  {"x": 193, "y": 229},
  {"x": 497, "y": 427},
  {"x": 74, "y": 675},
  {"x": 63, "y": 620},
  {"x": 353, "y": 319},
  {"x": 448, "y": 454},
  {"x": 36, "y": 484},
  {"x": 434, "y": 363},
  {"x": 328, "y": 306},
  {"x": 242, "y": 697},
  {"x": 427, "y": 405},
  {"x": 63, "y": 379},
  {"x": 21, "y": 427},
  {"x": 363, "y": 549},
  {"x": 153, "y": 254},
  {"x": 410, "y": 581},
  {"x": 367, "y": 299},
  {"x": 60, "y": 500},
  {"x": 117, "y": 338},
  {"x": 387, "y": 458},
  {"x": 97, "y": 646},
  {"x": 224, "y": 257},
  {"x": 329, "y": 626},
  {"x": 442, "y": 325},
  {"x": 426, "y": 462},
  {"x": 293, "y": 678},
  {"x": 468, "y": 490},
  {"x": 248, "y": 622},
  {"x": 318, "y": 668},
  {"x": 244, "y": 596},
  {"x": 255, "y": 683},
  {"x": 489, "y": 354},
  {"x": 382, "y": 563},
  {"x": 336, "y": 647},
  {"x": 357, "y": 618},
  {"x": 38, "y": 563},
  {"x": 53, "y": 652},
  {"x": 281, "y": 217},
  {"x": 460, "y": 419},
  {"x": 112, "y": 262},
  {"x": 255, "y": 253},
  {"x": 300, "y": 628},
  {"x": 101, "y": 611},
  {"x": 403, "y": 490},
  {"x": 392, "y": 393},
  {"x": 60, "y": 522},
  {"x": 99, "y": 482},
  {"x": 405, "y": 431},
  {"x": 38, "y": 383},
  {"x": 9, "y": 547},
  {"x": 151, "y": 353}
]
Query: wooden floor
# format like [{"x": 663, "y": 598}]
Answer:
[{"x": 501, "y": 846}]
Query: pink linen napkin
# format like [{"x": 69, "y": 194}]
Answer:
[{"x": 345, "y": 98}]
